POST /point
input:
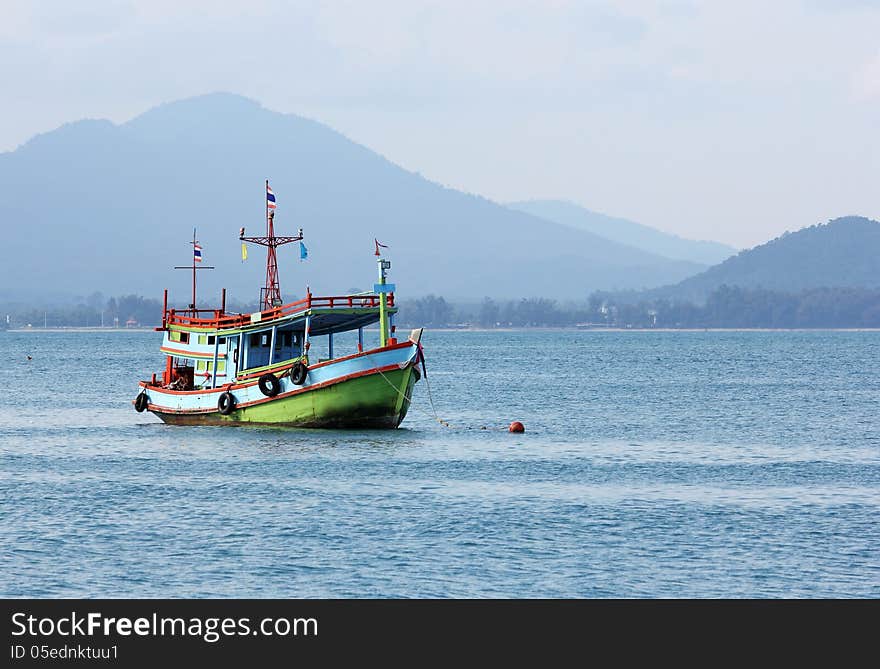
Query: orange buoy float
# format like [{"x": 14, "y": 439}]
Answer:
[{"x": 516, "y": 426}]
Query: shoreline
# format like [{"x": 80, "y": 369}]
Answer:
[
  {"x": 581, "y": 329},
  {"x": 81, "y": 328}
]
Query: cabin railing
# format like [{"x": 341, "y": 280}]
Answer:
[{"x": 221, "y": 320}]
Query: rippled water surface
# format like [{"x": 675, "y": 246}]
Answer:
[{"x": 687, "y": 464}]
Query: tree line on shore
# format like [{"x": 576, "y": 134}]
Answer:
[
  {"x": 96, "y": 311},
  {"x": 726, "y": 307}
]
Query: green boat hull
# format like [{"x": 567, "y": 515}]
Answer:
[{"x": 379, "y": 400}]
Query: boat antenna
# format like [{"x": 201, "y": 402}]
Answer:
[
  {"x": 197, "y": 258},
  {"x": 270, "y": 294}
]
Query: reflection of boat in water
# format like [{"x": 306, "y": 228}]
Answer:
[{"x": 232, "y": 369}]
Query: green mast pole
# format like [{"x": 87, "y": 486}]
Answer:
[{"x": 383, "y": 303}]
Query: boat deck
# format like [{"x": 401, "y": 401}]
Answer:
[{"x": 327, "y": 314}]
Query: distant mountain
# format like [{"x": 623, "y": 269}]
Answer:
[
  {"x": 97, "y": 206},
  {"x": 844, "y": 252},
  {"x": 626, "y": 232}
]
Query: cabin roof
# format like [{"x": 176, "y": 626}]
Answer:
[
  {"x": 328, "y": 314},
  {"x": 327, "y": 321}
]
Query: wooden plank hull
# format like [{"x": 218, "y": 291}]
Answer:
[{"x": 372, "y": 390}]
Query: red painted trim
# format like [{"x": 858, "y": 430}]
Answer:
[
  {"x": 275, "y": 369},
  {"x": 219, "y": 389},
  {"x": 300, "y": 391},
  {"x": 331, "y": 382},
  {"x": 257, "y": 375},
  {"x": 188, "y": 354},
  {"x": 241, "y": 320},
  {"x": 390, "y": 347}
]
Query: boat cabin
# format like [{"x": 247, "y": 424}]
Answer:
[{"x": 209, "y": 352}]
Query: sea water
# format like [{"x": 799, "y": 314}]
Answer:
[{"x": 654, "y": 464}]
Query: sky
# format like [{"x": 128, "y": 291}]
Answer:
[{"x": 731, "y": 121}]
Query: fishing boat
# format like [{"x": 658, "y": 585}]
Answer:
[{"x": 236, "y": 369}]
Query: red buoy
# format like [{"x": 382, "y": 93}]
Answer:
[{"x": 516, "y": 426}]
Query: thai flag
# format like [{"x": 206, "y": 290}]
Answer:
[
  {"x": 197, "y": 253},
  {"x": 270, "y": 197}
]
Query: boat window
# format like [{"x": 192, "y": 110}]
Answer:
[
  {"x": 182, "y": 376},
  {"x": 221, "y": 365},
  {"x": 222, "y": 341},
  {"x": 211, "y": 339},
  {"x": 259, "y": 350},
  {"x": 260, "y": 339},
  {"x": 200, "y": 365},
  {"x": 182, "y": 337},
  {"x": 202, "y": 339},
  {"x": 282, "y": 340}
]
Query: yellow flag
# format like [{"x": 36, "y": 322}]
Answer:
[{"x": 243, "y": 252}]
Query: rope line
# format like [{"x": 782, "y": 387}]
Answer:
[
  {"x": 436, "y": 417},
  {"x": 408, "y": 399},
  {"x": 431, "y": 400}
]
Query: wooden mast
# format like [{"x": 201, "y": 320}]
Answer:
[{"x": 194, "y": 267}]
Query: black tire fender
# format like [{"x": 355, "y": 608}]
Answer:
[
  {"x": 298, "y": 373},
  {"x": 141, "y": 402},
  {"x": 269, "y": 385},
  {"x": 225, "y": 403}
]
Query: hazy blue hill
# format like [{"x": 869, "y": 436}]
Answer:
[
  {"x": 844, "y": 252},
  {"x": 627, "y": 232},
  {"x": 93, "y": 205}
]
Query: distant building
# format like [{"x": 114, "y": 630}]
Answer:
[{"x": 131, "y": 323}]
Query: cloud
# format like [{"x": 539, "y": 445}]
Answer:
[{"x": 866, "y": 81}]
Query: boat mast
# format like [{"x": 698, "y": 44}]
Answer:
[
  {"x": 383, "y": 288},
  {"x": 194, "y": 267},
  {"x": 270, "y": 295}
]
